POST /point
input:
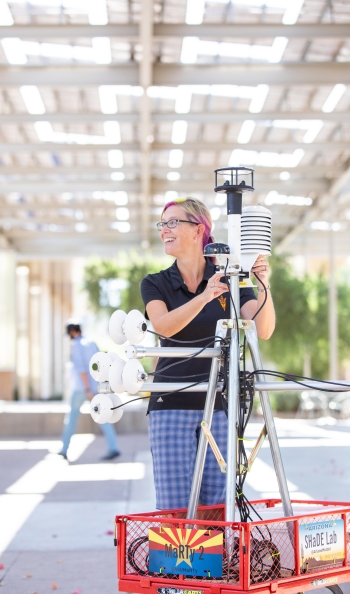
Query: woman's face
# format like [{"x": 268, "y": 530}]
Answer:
[{"x": 182, "y": 238}]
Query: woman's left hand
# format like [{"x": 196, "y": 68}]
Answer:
[{"x": 261, "y": 269}]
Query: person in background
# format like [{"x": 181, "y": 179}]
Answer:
[{"x": 84, "y": 386}]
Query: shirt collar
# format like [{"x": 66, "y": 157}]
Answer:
[{"x": 177, "y": 280}]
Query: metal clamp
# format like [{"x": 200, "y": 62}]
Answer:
[{"x": 242, "y": 324}]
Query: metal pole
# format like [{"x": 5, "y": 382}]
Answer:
[
  {"x": 139, "y": 352},
  {"x": 252, "y": 340},
  {"x": 232, "y": 399},
  {"x": 333, "y": 309},
  {"x": 341, "y": 386},
  {"x": 207, "y": 416},
  {"x": 234, "y": 215},
  {"x": 163, "y": 387}
]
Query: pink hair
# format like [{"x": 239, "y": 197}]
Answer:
[{"x": 196, "y": 212}]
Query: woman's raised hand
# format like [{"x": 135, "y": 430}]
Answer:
[
  {"x": 261, "y": 270},
  {"x": 215, "y": 287}
]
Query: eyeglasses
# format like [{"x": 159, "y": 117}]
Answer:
[{"x": 172, "y": 223}]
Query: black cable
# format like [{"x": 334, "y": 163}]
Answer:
[
  {"x": 227, "y": 279},
  {"x": 244, "y": 413},
  {"x": 224, "y": 401},
  {"x": 182, "y": 360},
  {"x": 292, "y": 377},
  {"x": 212, "y": 338},
  {"x": 131, "y": 552},
  {"x": 157, "y": 394},
  {"x": 265, "y": 299}
]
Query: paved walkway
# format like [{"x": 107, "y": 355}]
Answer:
[{"x": 56, "y": 518}]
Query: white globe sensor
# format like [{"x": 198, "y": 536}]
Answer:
[
  {"x": 100, "y": 408},
  {"x": 99, "y": 366},
  {"x": 133, "y": 376},
  {"x": 116, "y": 326},
  {"x": 115, "y": 375},
  {"x": 118, "y": 413},
  {"x": 135, "y": 326}
]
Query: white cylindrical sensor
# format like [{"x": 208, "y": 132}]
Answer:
[
  {"x": 118, "y": 413},
  {"x": 133, "y": 376},
  {"x": 135, "y": 326},
  {"x": 116, "y": 326},
  {"x": 115, "y": 375},
  {"x": 100, "y": 408},
  {"x": 99, "y": 366}
]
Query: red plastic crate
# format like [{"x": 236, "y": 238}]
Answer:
[{"x": 262, "y": 556}]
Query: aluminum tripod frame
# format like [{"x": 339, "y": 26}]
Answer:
[{"x": 233, "y": 394}]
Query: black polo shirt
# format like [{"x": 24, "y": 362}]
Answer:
[{"x": 168, "y": 286}]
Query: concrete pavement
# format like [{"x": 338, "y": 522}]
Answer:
[{"x": 56, "y": 518}]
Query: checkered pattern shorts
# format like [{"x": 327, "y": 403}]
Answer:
[{"x": 174, "y": 436}]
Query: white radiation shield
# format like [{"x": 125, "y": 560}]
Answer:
[
  {"x": 135, "y": 326},
  {"x": 118, "y": 413},
  {"x": 116, "y": 326},
  {"x": 133, "y": 376},
  {"x": 115, "y": 375},
  {"x": 99, "y": 366},
  {"x": 100, "y": 408}
]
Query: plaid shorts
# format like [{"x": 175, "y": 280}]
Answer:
[{"x": 174, "y": 436}]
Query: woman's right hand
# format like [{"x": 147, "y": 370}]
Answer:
[{"x": 214, "y": 287}]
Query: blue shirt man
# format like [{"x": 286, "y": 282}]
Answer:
[
  {"x": 81, "y": 353},
  {"x": 83, "y": 387}
]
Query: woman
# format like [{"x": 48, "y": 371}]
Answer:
[{"x": 185, "y": 302}]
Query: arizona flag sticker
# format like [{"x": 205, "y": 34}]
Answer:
[{"x": 185, "y": 551}]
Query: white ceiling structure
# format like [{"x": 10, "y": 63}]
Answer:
[{"x": 110, "y": 108}]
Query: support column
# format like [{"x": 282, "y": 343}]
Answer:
[
  {"x": 46, "y": 358},
  {"x": 146, "y": 75},
  {"x": 7, "y": 324},
  {"x": 333, "y": 309},
  {"x": 58, "y": 327},
  {"x": 34, "y": 330},
  {"x": 22, "y": 355}
]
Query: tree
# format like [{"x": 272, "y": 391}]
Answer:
[
  {"x": 106, "y": 297},
  {"x": 287, "y": 344},
  {"x": 302, "y": 325}
]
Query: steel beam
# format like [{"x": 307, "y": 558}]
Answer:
[
  {"x": 56, "y": 187},
  {"x": 53, "y": 147},
  {"x": 146, "y": 76},
  {"x": 126, "y": 32},
  {"x": 62, "y": 170},
  {"x": 307, "y": 73},
  {"x": 220, "y": 32},
  {"x": 73, "y": 76},
  {"x": 298, "y": 187},
  {"x": 224, "y": 117},
  {"x": 292, "y": 188},
  {"x": 223, "y": 31},
  {"x": 278, "y": 147}
]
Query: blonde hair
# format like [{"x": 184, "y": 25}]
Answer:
[{"x": 196, "y": 212}]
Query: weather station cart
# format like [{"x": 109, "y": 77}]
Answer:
[{"x": 263, "y": 546}]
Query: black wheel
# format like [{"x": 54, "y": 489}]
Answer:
[{"x": 335, "y": 589}]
